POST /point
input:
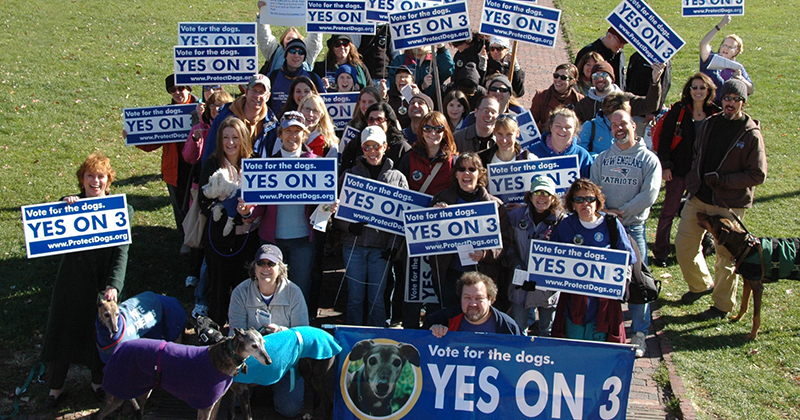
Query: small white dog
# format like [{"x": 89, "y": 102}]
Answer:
[{"x": 225, "y": 190}]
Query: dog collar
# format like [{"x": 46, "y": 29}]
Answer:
[
  {"x": 236, "y": 358},
  {"x": 114, "y": 343}
]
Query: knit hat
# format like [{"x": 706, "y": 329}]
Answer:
[
  {"x": 543, "y": 183},
  {"x": 424, "y": 97},
  {"x": 734, "y": 87},
  {"x": 269, "y": 252},
  {"x": 468, "y": 76},
  {"x": 170, "y": 83},
  {"x": 295, "y": 43},
  {"x": 606, "y": 67},
  {"x": 331, "y": 42},
  {"x": 373, "y": 133},
  {"x": 347, "y": 68}
]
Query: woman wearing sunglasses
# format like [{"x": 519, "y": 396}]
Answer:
[
  {"x": 506, "y": 147},
  {"x": 577, "y": 316},
  {"x": 561, "y": 93},
  {"x": 269, "y": 302},
  {"x": 469, "y": 185}
]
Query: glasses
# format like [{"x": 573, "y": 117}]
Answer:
[
  {"x": 600, "y": 74},
  {"x": 177, "y": 88},
  {"x": 561, "y": 76},
  {"x": 298, "y": 51},
  {"x": 368, "y": 148},
  {"x": 587, "y": 199},
  {"x": 463, "y": 169},
  {"x": 376, "y": 120},
  {"x": 699, "y": 87},
  {"x": 501, "y": 89},
  {"x": 262, "y": 263},
  {"x": 497, "y": 48},
  {"x": 543, "y": 192},
  {"x": 438, "y": 129},
  {"x": 214, "y": 87},
  {"x": 729, "y": 98},
  {"x": 341, "y": 43}
]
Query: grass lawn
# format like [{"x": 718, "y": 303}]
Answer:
[{"x": 68, "y": 68}]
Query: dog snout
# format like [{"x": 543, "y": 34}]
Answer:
[{"x": 382, "y": 389}]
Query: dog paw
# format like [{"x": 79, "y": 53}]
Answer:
[
  {"x": 217, "y": 213},
  {"x": 228, "y": 228}
]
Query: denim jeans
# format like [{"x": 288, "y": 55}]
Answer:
[
  {"x": 639, "y": 234},
  {"x": 201, "y": 291},
  {"x": 298, "y": 254},
  {"x": 366, "y": 277},
  {"x": 525, "y": 317},
  {"x": 640, "y": 313},
  {"x": 289, "y": 402}
]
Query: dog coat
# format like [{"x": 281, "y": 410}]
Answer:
[
  {"x": 781, "y": 260},
  {"x": 286, "y": 348},
  {"x": 146, "y": 315},
  {"x": 186, "y": 372}
]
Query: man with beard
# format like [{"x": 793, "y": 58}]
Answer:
[
  {"x": 480, "y": 135},
  {"x": 603, "y": 84},
  {"x": 729, "y": 162},
  {"x": 419, "y": 106},
  {"x": 477, "y": 292},
  {"x": 630, "y": 176}
]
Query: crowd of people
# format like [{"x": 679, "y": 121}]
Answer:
[{"x": 709, "y": 151}]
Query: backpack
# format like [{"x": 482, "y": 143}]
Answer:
[
  {"x": 642, "y": 287},
  {"x": 655, "y": 133}
]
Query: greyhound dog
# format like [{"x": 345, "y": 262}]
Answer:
[
  {"x": 758, "y": 260},
  {"x": 199, "y": 376},
  {"x": 146, "y": 315},
  {"x": 372, "y": 386}
]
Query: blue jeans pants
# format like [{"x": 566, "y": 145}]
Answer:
[
  {"x": 366, "y": 278},
  {"x": 640, "y": 313},
  {"x": 298, "y": 254}
]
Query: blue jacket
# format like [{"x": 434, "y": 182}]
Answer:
[
  {"x": 585, "y": 160},
  {"x": 281, "y": 82},
  {"x": 603, "y": 138}
]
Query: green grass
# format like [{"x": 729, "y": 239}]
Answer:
[{"x": 68, "y": 68}]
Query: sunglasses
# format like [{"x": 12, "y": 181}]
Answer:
[
  {"x": 298, "y": 51},
  {"x": 368, "y": 148},
  {"x": 376, "y": 120},
  {"x": 729, "y": 98},
  {"x": 214, "y": 87},
  {"x": 262, "y": 263},
  {"x": 501, "y": 89},
  {"x": 497, "y": 48},
  {"x": 341, "y": 43},
  {"x": 600, "y": 74},
  {"x": 699, "y": 87},
  {"x": 541, "y": 192},
  {"x": 561, "y": 76},
  {"x": 463, "y": 169},
  {"x": 177, "y": 88},
  {"x": 438, "y": 129},
  {"x": 588, "y": 199}
]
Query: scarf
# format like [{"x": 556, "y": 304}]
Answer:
[{"x": 237, "y": 107}]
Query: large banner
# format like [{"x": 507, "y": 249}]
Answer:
[
  {"x": 392, "y": 374},
  {"x": 338, "y": 17},
  {"x": 215, "y": 65},
  {"x": 419, "y": 281},
  {"x": 216, "y": 33},
  {"x": 645, "y": 31},
  {"x": 90, "y": 223},
  {"x": 430, "y": 26},
  {"x": 341, "y": 107},
  {"x": 380, "y": 205},
  {"x": 510, "y": 181},
  {"x": 521, "y": 21},
  {"x": 440, "y": 230},
  {"x": 289, "y": 181},
  {"x": 583, "y": 270},
  {"x": 157, "y": 124},
  {"x": 693, "y": 8}
]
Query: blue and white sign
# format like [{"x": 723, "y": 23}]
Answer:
[
  {"x": 378, "y": 10},
  {"x": 488, "y": 376},
  {"x": 511, "y": 180},
  {"x": 419, "y": 281},
  {"x": 341, "y": 107},
  {"x": 350, "y": 134},
  {"x": 216, "y": 33},
  {"x": 440, "y": 230},
  {"x": 694, "y": 8},
  {"x": 289, "y": 181},
  {"x": 90, "y": 223},
  {"x": 339, "y": 17},
  {"x": 583, "y": 270},
  {"x": 521, "y": 21},
  {"x": 228, "y": 65},
  {"x": 157, "y": 124},
  {"x": 380, "y": 205},
  {"x": 430, "y": 26},
  {"x": 528, "y": 130},
  {"x": 645, "y": 31}
]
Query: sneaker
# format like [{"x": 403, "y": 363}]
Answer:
[
  {"x": 185, "y": 250},
  {"x": 711, "y": 313},
  {"x": 691, "y": 297},
  {"x": 191, "y": 281},
  {"x": 199, "y": 310},
  {"x": 638, "y": 341}
]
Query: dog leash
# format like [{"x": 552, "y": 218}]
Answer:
[{"x": 21, "y": 390}]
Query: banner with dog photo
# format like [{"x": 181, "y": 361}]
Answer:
[{"x": 394, "y": 374}]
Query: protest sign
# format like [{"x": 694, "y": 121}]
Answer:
[
  {"x": 341, "y": 107},
  {"x": 289, "y": 181},
  {"x": 521, "y": 21},
  {"x": 467, "y": 376},
  {"x": 440, "y": 230},
  {"x": 645, "y": 31},
  {"x": 216, "y": 33},
  {"x": 380, "y": 205},
  {"x": 214, "y": 64},
  {"x": 419, "y": 281},
  {"x": 90, "y": 223},
  {"x": 511, "y": 180},
  {"x": 339, "y": 17},
  {"x": 582, "y": 270},
  {"x": 283, "y": 13},
  {"x": 528, "y": 130},
  {"x": 693, "y": 8},
  {"x": 157, "y": 124},
  {"x": 430, "y": 26},
  {"x": 378, "y": 10},
  {"x": 349, "y": 134}
]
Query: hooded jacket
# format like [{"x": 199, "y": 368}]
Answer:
[{"x": 587, "y": 108}]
